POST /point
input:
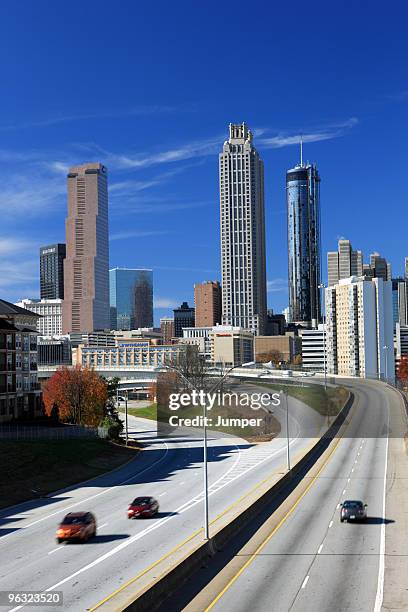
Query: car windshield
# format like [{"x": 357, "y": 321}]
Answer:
[
  {"x": 352, "y": 504},
  {"x": 141, "y": 501},
  {"x": 74, "y": 520}
]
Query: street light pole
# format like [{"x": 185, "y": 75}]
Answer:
[
  {"x": 323, "y": 286},
  {"x": 126, "y": 417},
  {"x": 385, "y": 348},
  {"x": 205, "y": 440},
  {"x": 287, "y": 428}
]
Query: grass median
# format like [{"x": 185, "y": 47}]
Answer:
[{"x": 45, "y": 466}]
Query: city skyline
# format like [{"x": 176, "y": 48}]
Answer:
[{"x": 161, "y": 148}]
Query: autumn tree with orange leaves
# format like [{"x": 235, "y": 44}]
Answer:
[
  {"x": 402, "y": 371},
  {"x": 78, "y": 394}
]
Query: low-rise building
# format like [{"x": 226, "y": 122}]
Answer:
[
  {"x": 313, "y": 349},
  {"x": 20, "y": 393},
  {"x": 200, "y": 337},
  {"x": 287, "y": 345},
  {"x": 231, "y": 346},
  {"x": 128, "y": 353},
  {"x": 54, "y": 350}
]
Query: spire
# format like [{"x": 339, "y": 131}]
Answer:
[{"x": 301, "y": 149}]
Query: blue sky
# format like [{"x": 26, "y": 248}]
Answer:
[{"x": 150, "y": 90}]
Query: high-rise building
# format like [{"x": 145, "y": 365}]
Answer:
[
  {"x": 207, "y": 301},
  {"x": 131, "y": 298},
  {"x": 86, "y": 267},
  {"x": 400, "y": 301},
  {"x": 303, "y": 209},
  {"x": 52, "y": 271},
  {"x": 49, "y": 321},
  {"x": 360, "y": 338},
  {"x": 242, "y": 232},
  {"x": 343, "y": 263},
  {"x": 380, "y": 267},
  {"x": 183, "y": 317},
  {"x": 167, "y": 329},
  {"x": 406, "y": 267}
]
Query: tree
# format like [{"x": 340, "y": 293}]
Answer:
[
  {"x": 402, "y": 372},
  {"x": 297, "y": 360},
  {"x": 79, "y": 394},
  {"x": 274, "y": 356}
]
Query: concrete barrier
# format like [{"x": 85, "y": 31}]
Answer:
[{"x": 182, "y": 565}]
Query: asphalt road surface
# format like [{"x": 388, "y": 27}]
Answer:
[
  {"x": 309, "y": 560},
  {"x": 171, "y": 471}
]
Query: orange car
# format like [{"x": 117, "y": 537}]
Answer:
[{"x": 79, "y": 526}]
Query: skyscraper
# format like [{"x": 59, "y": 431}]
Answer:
[
  {"x": 344, "y": 262},
  {"x": 303, "y": 209},
  {"x": 52, "y": 271},
  {"x": 86, "y": 267},
  {"x": 131, "y": 298},
  {"x": 400, "y": 301},
  {"x": 242, "y": 232},
  {"x": 207, "y": 301},
  {"x": 183, "y": 317}
]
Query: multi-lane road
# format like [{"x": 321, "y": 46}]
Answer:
[
  {"x": 305, "y": 559},
  {"x": 310, "y": 562},
  {"x": 168, "y": 469}
]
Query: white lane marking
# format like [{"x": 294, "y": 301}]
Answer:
[
  {"x": 352, "y": 470},
  {"x": 330, "y": 524},
  {"x": 358, "y": 454},
  {"x": 344, "y": 490},
  {"x": 348, "y": 479},
  {"x": 306, "y": 580},
  {"x": 338, "y": 506},
  {"x": 101, "y": 526},
  {"x": 161, "y": 494},
  {"x": 186, "y": 506},
  {"x": 381, "y": 565},
  {"x": 83, "y": 501},
  {"x": 355, "y": 461},
  {"x": 320, "y": 549},
  {"x": 55, "y": 550}
]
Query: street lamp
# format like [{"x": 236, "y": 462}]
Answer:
[
  {"x": 323, "y": 286},
  {"x": 205, "y": 453},
  {"x": 385, "y": 348},
  {"x": 126, "y": 416},
  {"x": 287, "y": 428}
]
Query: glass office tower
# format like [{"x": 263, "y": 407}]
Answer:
[
  {"x": 131, "y": 298},
  {"x": 303, "y": 203}
]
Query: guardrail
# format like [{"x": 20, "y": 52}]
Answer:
[{"x": 140, "y": 595}]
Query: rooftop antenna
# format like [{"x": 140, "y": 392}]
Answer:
[{"x": 301, "y": 149}]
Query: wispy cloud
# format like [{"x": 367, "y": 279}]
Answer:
[
  {"x": 29, "y": 194},
  {"x": 165, "y": 303},
  {"x": 138, "y": 234},
  {"x": 324, "y": 133},
  {"x": 136, "y": 111},
  {"x": 400, "y": 96},
  {"x": 277, "y": 285}
]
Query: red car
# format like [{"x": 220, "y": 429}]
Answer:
[
  {"x": 79, "y": 526},
  {"x": 143, "y": 507}
]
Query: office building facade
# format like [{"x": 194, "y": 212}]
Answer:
[
  {"x": 344, "y": 262},
  {"x": 314, "y": 353},
  {"x": 359, "y": 328},
  {"x": 400, "y": 301},
  {"x": 86, "y": 266},
  {"x": 231, "y": 346},
  {"x": 183, "y": 317},
  {"x": 207, "y": 302},
  {"x": 242, "y": 224},
  {"x": 49, "y": 322},
  {"x": 303, "y": 214},
  {"x": 52, "y": 271},
  {"x": 131, "y": 298}
]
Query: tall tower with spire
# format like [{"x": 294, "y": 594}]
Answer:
[{"x": 303, "y": 210}]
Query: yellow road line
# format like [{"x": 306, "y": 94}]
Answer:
[
  {"x": 281, "y": 522},
  {"x": 191, "y": 537}
]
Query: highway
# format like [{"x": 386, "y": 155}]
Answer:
[
  {"x": 304, "y": 558},
  {"x": 171, "y": 471}
]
